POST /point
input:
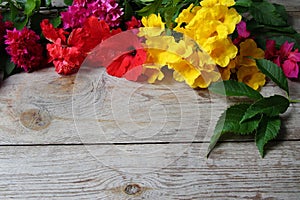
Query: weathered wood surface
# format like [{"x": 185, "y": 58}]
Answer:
[
  {"x": 92, "y": 136},
  {"x": 43, "y": 108},
  {"x": 145, "y": 172}
]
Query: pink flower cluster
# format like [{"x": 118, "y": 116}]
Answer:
[
  {"x": 76, "y": 15},
  {"x": 285, "y": 57},
  {"x": 24, "y": 49}
]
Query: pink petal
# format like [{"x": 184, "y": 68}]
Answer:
[
  {"x": 294, "y": 56},
  {"x": 286, "y": 48},
  {"x": 242, "y": 29},
  {"x": 290, "y": 69}
]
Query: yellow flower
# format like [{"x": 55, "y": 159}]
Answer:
[
  {"x": 153, "y": 26},
  {"x": 245, "y": 67},
  {"x": 211, "y": 3},
  {"x": 210, "y": 26},
  {"x": 221, "y": 51},
  {"x": 251, "y": 76}
]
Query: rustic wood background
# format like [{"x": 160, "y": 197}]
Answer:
[{"x": 77, "y": 137}]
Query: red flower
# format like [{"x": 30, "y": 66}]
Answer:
[
  {"x": 24, "y": 49},
  {"x": 285, "y": 58},
  {"x": 96, "y": 31},
  {"x": 51, "y": 33},
  {"x": 66, "y": 60},
  {"x": 133, "y": 23},
  {"x": 127, "y": 56},
  {"x": 67, "y": 54}
]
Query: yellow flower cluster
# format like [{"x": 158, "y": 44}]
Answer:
[
  {"x": 245, "y": 66},
  {"x": 181, "y": 54},
  {"x": 209, "y": 25}
]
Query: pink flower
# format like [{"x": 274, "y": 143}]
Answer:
[
  {"x": 107, "y": 10},
  {"x": 24, "y": 49},
  {"x": 243, "y": 33},
  {"x": 285, "y": 58}
]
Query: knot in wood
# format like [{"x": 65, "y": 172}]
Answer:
[
  {"x": 132, "y": 189},
  {"x": 35, "y": 119}
]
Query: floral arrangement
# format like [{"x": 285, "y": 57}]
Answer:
[{"x": 230, "y": 47}]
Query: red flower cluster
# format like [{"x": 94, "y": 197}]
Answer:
[
  {"x": 70, "y": 49},
  {"x": 285, "y": 58},
  {"x": 24, "y": 49}
]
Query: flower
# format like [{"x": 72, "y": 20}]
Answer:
[
  {"x": 210, "y": 26},
  {"x": 66, "y": 60},
  {"x": 128, "y": 57},
  {"x": 24, "y": 49},
  {"x": 154, "y": 26},
  {"x": 80, "y": 11},
  {"x": 243, "y": 33},
  {"x": 133, "y": 23},
  {"x": 68, "y": 53},
  {"x": 245, "y": 66},
  {"x": 285, "y": 58}
]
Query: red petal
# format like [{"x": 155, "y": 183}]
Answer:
[{"x": 51, "y": 33}]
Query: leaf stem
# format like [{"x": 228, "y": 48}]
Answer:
[{"x": 294, "y": 101}]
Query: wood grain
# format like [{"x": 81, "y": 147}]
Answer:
[
  {"x": 69, "y": 110},
  {"x": 103, "y": 172}
]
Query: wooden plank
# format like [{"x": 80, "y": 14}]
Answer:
[
  {"x": 290, "y": 5},
  {"x": 168, "y": 171},
  {"x": 44, "y": 108}
]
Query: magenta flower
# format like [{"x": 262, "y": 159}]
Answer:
[
  {"x": 243, "y": 33},
  {"x": 24, "y": 49},
  {"x": 107, "y": 10},
  {"x": 285, "y": 58}
]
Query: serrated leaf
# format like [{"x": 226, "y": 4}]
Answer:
[
  {"x": 271, "y": 106},
  {"x": 268, "y": 130},
  {"x": 229, "y": 123},
  {"x": 234, "y": 88},
  {"x": 274, "y": 72},
  {"x": 280, "y": 9},
  {"x": 265, "y": 13}
]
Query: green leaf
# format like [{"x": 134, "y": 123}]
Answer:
[
  {"x": 268, "y": 129},
  {"x": 151, "y": 8},
  {"x": 243, "y": 3},
  {"x": 9, "y": 67},
  {"x": 48, "y": 3},
  {"x": 68, "y": 2},
  {"x": 234, "y": 88},
  {"x": 274, "y": 72},
  {"x": 280, "y": 9},
  {"x": 265, "y": 13},
  {"x": 55, "y": 21},
  {"x": 271, "y": 106},
  {"x": 29, "y": 7},
  {"x": 229, "y": 123}
]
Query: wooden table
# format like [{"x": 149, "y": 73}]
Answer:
[{"x": 77, "y": 138}]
